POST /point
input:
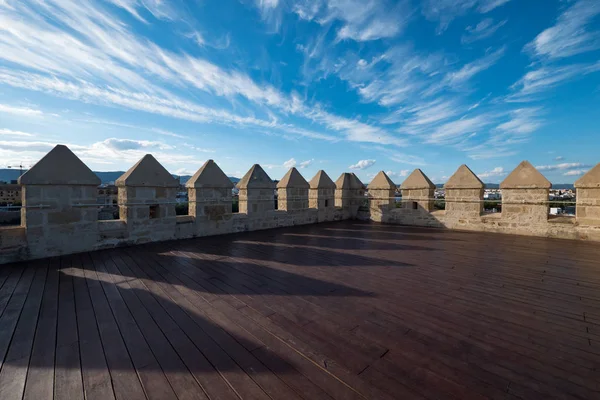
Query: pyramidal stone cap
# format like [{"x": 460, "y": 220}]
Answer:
[
  {"x": 417, "y": 180},
  {"x": 590, "y": 180},
  {"x": 321, "y": 181},
  {"x": 382, "y": 181},
  {"x": 210, "y": 176},
  {"x": 293, "y": 179},
  {"x": 345, "y": 181},
  {"x": 357, "y": 184},
  {"x": 59, "y": 167},
  {"x": 256, "y": 178},
  {"x": 525, "y": 176},
  {"x": 464, "y": 178},
  {"x": 148, "y": 173}
]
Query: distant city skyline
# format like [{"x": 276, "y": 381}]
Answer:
[{"x": 335, "y": 85}]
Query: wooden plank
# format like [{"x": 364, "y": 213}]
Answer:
[
  {"x": 204, "y": 372},
  {"x": 67, "y": 368},
  {"x": 125, "y": 380},
  {"x": 154, "y": 381},
  {"x": 180, "y": 378},
  {"x": 14, "y": 369},
  {"x": 96, "y": 378},
  {"x": 40, "y": 374}
]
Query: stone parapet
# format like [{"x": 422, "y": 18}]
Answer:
[
  {"x": 525, "y": 195},
  {"x": 257, "y": 192},
  {"x": 292, "y": 191},
  {"x": 147, "y": 198},
  {"x": 588, "y": 197},
  {"x": 464, "y": 194},
  {"x": 382, "y": 193},
  {"x": 60, "y": 213},
  {"x": 417, "y": 192}
]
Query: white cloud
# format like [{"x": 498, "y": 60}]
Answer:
[
  {"x": 522, "y": 121},
  {"x": 361, "y": 20},
  {"x": 23, "y": 111},
  {"x": 562, "y": 166},
  {"x": 559, "y": 158},
  {"x": 290, "y": 163},
  {"x": 569, "y": 36},
  {"x": 483, "y": 30},
  {"x": 128, "y": 144},
  {"x": 362, "y": 164},
  {"x": 468, "y": 71},
  {"x": 8, "y": 132},
  {"x": 575, "y": 172},
  {"x": 455, "y": 131},
  {"x": 486, "y": 6},
  {"x": 498, "y": 171},
  {"x": 535, "y": 82},
  {"x": 306, "y": 164},
  {"x": 404, "y": 172},
  {"x": 445, "y": 11},
  {"x": 83, "y": 52}
]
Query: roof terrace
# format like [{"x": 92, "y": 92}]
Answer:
[
  {"x": 320, "y": 298},
  {"x": 344, "y": 310}
]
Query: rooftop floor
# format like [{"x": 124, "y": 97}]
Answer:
[{"x": 342, "y": 310}]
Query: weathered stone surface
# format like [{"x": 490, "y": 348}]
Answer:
[
  {"x": 321, "y": 181},
  {"x": 590, "y": 180},
  {"x": 381, "y": 181},
  {"x": 147, "y": 173},
  {"x": 381, "y": 196},
  {"x": 211, "y": 176},
  {"x": 256, "y": 178},
  {"x": 417, "y": 180},
  {"x": 293, "y": 179},
  {"x": 345, "y": 181},
  {"x": 59, "y": 167},
  {"x": 525, "y": 176},
  {"x": 464, "y": 178}
]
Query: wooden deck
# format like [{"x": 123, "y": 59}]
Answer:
[{"x": 341, "y": 310}]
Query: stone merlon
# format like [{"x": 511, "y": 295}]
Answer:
[
  {"x": 59, "y": 167},
  {"x": 293, "y": 179},
  {"x": 590, "y": 180},
  {"x": 147, "y": 173},
  {"x": 382, "y": 181},
  {"x": 417, "y": 180},
  {"x": 464, "y": 178},
  {"x": 321, "y": 181},
  {"x": 525, "y": 176},
  {"x": 256, "y": 178},
  {"x": 209, "y": 176}
]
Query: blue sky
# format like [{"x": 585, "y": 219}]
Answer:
[{"x": 360, "y": 85}]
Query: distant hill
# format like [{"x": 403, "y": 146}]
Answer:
[{"x": 8, "y": 175}]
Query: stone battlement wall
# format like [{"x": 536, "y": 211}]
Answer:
[
  {"x": 60, "y": 214},
  {"x": 525, "y": 205}
]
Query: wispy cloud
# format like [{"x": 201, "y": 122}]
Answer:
[
  {"x": 10, "y": 133},
  {"x": 290, "y": 163},
  {"x": 534, "y": 83},
  {"x": 498, "y": 171},
  {"x": 445, "y": 11},
  {"x": 361, "y": 20},
  {"x": 522, "y": 121},
  {"x": 483, "y": 30},
  {"x": 575, "y": 172},
  {"x": 23, "y": 111},
  {"x": 468, "y": 71},
  {"x": 98, "y": 60},
  {"x": 362, "y": 164},
  {"x": 562, "y": 166},
  {"x": 570, "y": 35}
]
